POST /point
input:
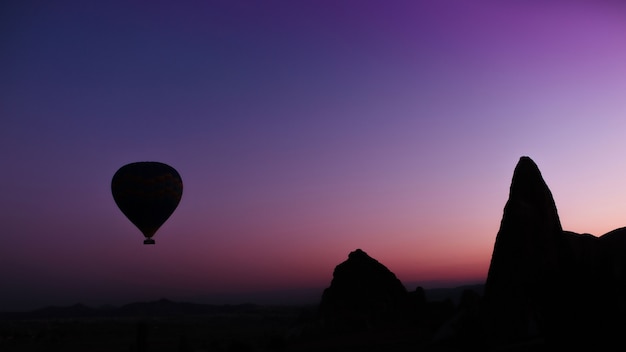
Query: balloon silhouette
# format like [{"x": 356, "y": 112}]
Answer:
[{"x": 147, "y": 192}]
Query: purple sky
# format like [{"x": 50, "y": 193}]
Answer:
[{"x": 302, "y": 131}]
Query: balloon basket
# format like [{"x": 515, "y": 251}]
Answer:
[{"x": 148, "y": 241}]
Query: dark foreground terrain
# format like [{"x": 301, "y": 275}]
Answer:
[
  {"x": 230, "y": 328},
  {"x": 165, "y": 325},
  {"x": 233, "y": 328}
]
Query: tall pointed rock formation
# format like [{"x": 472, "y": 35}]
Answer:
[
  {"x": 525, "y": 272},
  {"x": 544, "y": 283}
]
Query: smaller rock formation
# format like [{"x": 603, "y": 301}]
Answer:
[
  {"x": 613, "y": 249},
  {"x": 363, "y": 294}
]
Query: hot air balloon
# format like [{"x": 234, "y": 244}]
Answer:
[{"x": 147, "y": 192}]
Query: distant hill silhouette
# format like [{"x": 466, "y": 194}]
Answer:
[
  {"x": 169, "y": 308},
  {"x": 159, "y": 308}
]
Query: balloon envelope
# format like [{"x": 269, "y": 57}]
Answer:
[{"x": 147, "y": 192}]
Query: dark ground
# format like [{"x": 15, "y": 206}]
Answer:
[{"x": 260, "y": 328}]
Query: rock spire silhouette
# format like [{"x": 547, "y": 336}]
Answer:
[
  {"x": 546, "y": 283},
  {"x": 525, "y": 265}
]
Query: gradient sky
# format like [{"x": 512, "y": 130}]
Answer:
[{"x": 302, "y": 131}]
